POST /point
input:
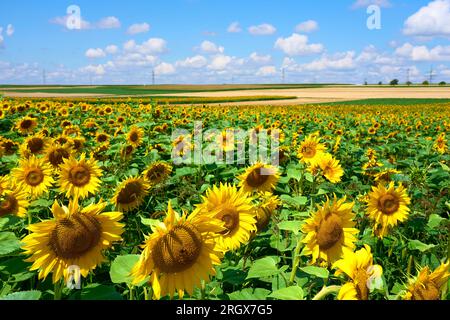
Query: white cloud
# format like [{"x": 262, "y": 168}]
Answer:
[
  {"x": 109, "y": 23},
  {"x": 220, "y": 62},
  {"x": 210, "y": 47},
  {"x": 297, "y": 45},
  {"x": 423, "y": 53},
  {"x": 195, "y": 62},
  {"x": 112, "y": 49},
  {"x": 431, "y": 20},
  {"x": 262, "y": 29},
  {"x": 307, "y": 26},
  {"x": 266, "y": 71},
  {"x": 339, "y": 61},
  {"x": 104, "y": 23},
  {"x": 151, "y": 46},
  {"x": 98, "y": 70},
  {"x": 95, "y": 53},
  {"x": 138, "y": 28},
  {"x": 164, "y": 69},
  {"x": 9, "y": 30},
  {"x": 365, "y": 3},
  {"x": 261, "y": 59},
  {"x": 234, "y": 27}
]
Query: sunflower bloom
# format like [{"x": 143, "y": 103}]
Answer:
[
  {"x": 428, "y": 285},
  {"x": 157, "y": 172},
  {"x": 13, "y": 202},
  {"x": 79, "y": 178},
  {"x": 235, "y": 209},
  {"x": 329, "y": 167},
  {"x": 179, "y": 254},
  {"x": 130, "y": 194},
  {"x": 26, "y": 125},
  {"x": 34, "y": 176},
  {"x": 387, "y": 207},
  {"x": 76, "y": 236},
  {"x": 135, "y": 135},
  {"x": 310, "y": 149},
  {"x": 260, "y": 177},
  {"x": 330, "y": 231},
  {"x": 359, "y": 267}
]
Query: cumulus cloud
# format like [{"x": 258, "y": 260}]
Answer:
[
  {"x": 195, "y": 62},
  {"x": 109, "y": 23},
  {"x": 365, "y": 3},
  {"x": 210, "y": 47},
  {"x": 261, "y": 59},
  {"x": 307, "y": 26},
  {"x": 164, "y": 68},
  {"x": 339, "y": 61},
  {"x": 151, "y": 46},
  {"x": 264, "y": 29},
  {"x": 219, "y": 62},
  {"x": 266, "y": 71},
  {"x": 95, "y": 53},
  {"x": 9, "y": 30},
  {"x": 138, "y": 28},
  {"x": 431, "y": 20},
  {"x": 234, "y": 27},
  {"x": 104, "y": 23},
  {"x": 297, "y": 45},
  {"x": 112, "y": 49},
  {"x": 423, "y": 53},
  {"x": 94, "y": 69}
]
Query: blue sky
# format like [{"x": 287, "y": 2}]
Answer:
[{"x": 212, "y": 41}]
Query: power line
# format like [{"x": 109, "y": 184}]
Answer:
[
  {"x": 153, "y": 77},
  {"x": 431, "y": 74}
]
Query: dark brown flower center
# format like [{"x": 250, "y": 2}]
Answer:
[
  {"x": 308, "y": 151},
  {"x": 256, "y": 178},
  {"x": 26, "y": 124},
  {"x": 56, "y": 156},
  {"x": 79, "y": 175},
  {"x": 230, "y": 217},
  {"x": 8, "y": 205},
  {"x": 134, "y": 137},
  {"x": 75, "y": 236},
  {"x": 35, "y": 145},
  {"x": 130, "y": 193},
  {"x": 178, "y": 250},
  {"x": 330, "y": 232},
  {"x": 426, "y": 291},
  {"x": 388, "y": 204},
  {"x": 34, "y": 177}
]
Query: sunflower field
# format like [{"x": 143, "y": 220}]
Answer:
[{"x": 94, "y": 207}]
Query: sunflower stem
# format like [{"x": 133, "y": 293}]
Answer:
[
  {"x": 410, "y": 263},
  {"x": 57, "y": 291},
  {"x": 326, "y": 291},
  {"x": 203, "y": 290},
  {"x": 295, "y": 262},
  {"x": 131, "y": 289}
]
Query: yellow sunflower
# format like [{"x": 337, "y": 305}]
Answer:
[
  {"x": 179, "y": 254},
  {"x": 328, "y": 166},
  {"x": 157, "y": 172},
  {"x": 79, "y": 178},
  {"x": 385, "y": 176},
  {"x": 359, "y": 267},
  {"x": 235, "y": 209},
  {"x": 55, "y": 154},
  {"x": 259, "y": 177},
  {"x": 76, "y": 236},
  {"x": 26, "y": 125},
  {"x": 34, "y": 145},
  {"x": 387, "y": 207},
  {"x": 13, "y": 202},
  {"x": 265, "y": 210},
  {"x": 310, "y": 149},
  {"x": 33, "y": 175},
  {"x": 428, "y": 286},
  {"x": 130, "y": 194},
  {"x": 134, "y": 137},
  {"x": 330, "y": 231}
]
